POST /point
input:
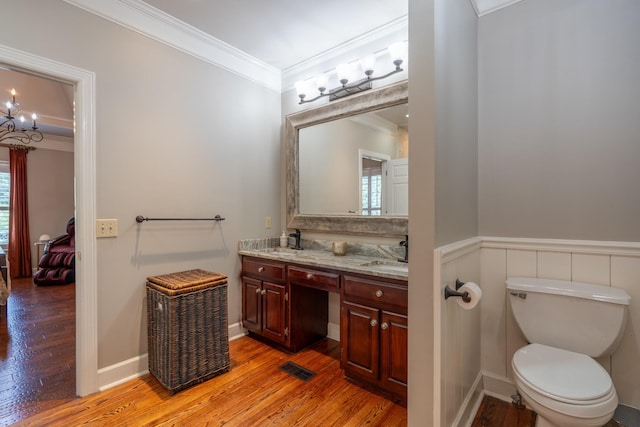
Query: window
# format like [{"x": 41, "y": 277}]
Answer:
[
  {"x": 4, "y": 202},
  {"x": 371, "y": 187}
]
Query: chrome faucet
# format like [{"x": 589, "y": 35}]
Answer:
[
  {"x": 405, "y": 243},
  {"x": 297, "y": 236}
]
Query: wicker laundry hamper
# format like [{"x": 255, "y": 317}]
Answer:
[{"x": 187, "y": 327}]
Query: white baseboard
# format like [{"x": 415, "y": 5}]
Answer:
[
  {"x": 118, "y": 373},
  {"x": 470, "y": 404},
  {"x": 236, "y": 331},
  {"x": 498, "y": 386}
]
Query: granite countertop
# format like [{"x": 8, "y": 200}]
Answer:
[{"x": 373, "y": 260}]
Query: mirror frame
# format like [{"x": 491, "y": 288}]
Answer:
[{"x": 364, "y": 102}]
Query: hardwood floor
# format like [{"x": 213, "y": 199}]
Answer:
[
  {"x": 254, "y": 393},
  {"x": 37, "y": 350},
  {"x": 37, "y": 382},
  {"x": 497, "y": 413}
]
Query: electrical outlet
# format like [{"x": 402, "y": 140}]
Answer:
[
  {"x": 106, "y": 228},
  {"x": 267, "y": 222}
]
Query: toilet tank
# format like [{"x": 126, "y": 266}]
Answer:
[{"x": 580, "y": 317}]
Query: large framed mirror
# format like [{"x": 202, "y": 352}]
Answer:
[{"x": 329, "y": 176}]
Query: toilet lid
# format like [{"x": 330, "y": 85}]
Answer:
[{"x": 562, "y": 374}]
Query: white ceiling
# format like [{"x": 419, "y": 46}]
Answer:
[
  {"x": 273, "y": 42},
  {"x": 284, "y": 33}
]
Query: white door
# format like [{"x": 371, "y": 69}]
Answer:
[{"x": 397, "y": 202}]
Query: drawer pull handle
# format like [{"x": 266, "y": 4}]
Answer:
[
  {"x": 257, "y": 291},
  {"x": 260, "y": 269},
  {"x": 373, "y": 323},
  {"x": 309, "y": 276},
  {"x": 263, "y": 292},
  {"x": 379, "y": 293},
  {"x": 384, "y": 325}
]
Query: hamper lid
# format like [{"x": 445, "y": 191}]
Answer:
[{"x": 183, "y": 281}]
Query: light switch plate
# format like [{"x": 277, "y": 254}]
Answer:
[{"x": 106, "y": 228}]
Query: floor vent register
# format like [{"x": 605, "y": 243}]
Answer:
[{"x": 297, "y": 371}]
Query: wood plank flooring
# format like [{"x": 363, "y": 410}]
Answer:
[
  {"x": 37, "y": 382},
  {"x": 497, "y": 413},
  {"x": 254, "y": 393},
  {"x": 37, "y": 350}
]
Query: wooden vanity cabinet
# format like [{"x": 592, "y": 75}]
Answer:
[
  {"x": 374, "y": 332},
  {"x": 264, "y": 299},
  {"x": 284, "y": 303}
]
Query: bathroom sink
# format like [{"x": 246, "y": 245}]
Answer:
[
  {"x": 287, "y": 253},
  {"x": 387, "y": 265},
  {"x": 398, "y": 268}
]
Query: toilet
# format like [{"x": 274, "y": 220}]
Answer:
[{"x": 567, "y": 324}]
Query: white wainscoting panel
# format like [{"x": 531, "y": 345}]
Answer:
[{"x": 607, "y": 263}]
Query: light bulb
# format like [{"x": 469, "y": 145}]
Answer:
[
  {"x": 321, "y": 82},
  {"x": 300, "y": 89},
  {"x": 344, "y": 73},
  {"x": 368, "y": 64},
  {"x": 398, "y": 53}
]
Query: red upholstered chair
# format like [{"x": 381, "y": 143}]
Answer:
[{"x": 58, "y": 263}]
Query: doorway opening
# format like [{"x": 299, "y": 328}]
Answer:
[{"x": 84, "y": 183}]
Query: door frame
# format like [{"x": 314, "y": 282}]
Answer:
[
  {"x": 85, "y": 209},
  {"x": 383, "y": 158}
]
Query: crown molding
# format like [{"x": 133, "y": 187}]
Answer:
[
  {"x": 144, "y": 19},
  {"x": 484, "y": 7},
  {"x": 370, "y": 42}
]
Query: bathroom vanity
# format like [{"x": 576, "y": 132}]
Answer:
[
  {"x": 285, "y": 292},
  {"x": 285, "y": 301}
]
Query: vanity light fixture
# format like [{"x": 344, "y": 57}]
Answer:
[
  {"x": 8, "y": 126},
  {"x": 345, "y": 73}
]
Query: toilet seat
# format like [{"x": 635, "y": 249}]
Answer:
[
  {"x": 561, "y": 374},
  {"x": 567, "y": 382}
]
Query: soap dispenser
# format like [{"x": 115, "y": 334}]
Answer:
[{"x": 284, "y": 240}]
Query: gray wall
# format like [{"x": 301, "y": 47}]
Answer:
[
  {"x": 423, "y": 325},
  {"x": 51, "y": 194},
  {"x": 559, "y": 120},
  {"x": 456, "y": 122},
  {"x": 175, "y": 137}
]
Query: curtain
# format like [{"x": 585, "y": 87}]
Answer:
[{"x": 19, "y": 240}]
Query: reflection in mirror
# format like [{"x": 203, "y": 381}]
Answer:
[
  {"x": 356, "y": 165},
  {"x": 341, "y": 220}
]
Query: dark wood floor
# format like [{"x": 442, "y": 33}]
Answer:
[
  {"x": 497, "y": 413},
  {"x": 37, "y": 350}
]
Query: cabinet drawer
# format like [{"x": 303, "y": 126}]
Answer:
[
  {"x": 314, "y": 278},
  {"x": 375, "y": 291},
  {"x": 263, "y": 269}
]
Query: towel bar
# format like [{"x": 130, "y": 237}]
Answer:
[{"x": 141, "y": 218}]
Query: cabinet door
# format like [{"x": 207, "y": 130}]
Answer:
[
  {"x": 274, "y": 312},
  {"x": 393, "y": 352},
  {"x": 252, "y": 304},
  {"x": 360, "y": 340}
]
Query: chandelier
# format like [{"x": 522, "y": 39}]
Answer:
[{"x": 8, "y": 128}]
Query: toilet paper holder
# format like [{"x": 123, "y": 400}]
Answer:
[{"x": 448, "y": 292}]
